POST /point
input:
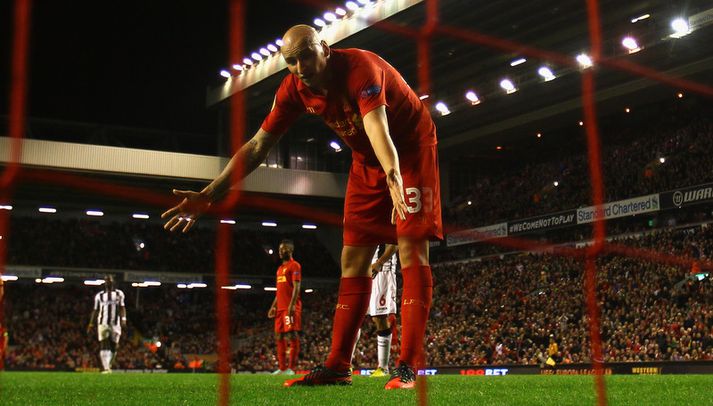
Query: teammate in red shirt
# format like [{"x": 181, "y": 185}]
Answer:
[
  {"x": 287, "y": 308},
  {"x": 393, "y": 181}
]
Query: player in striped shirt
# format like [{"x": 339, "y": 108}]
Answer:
[
  {"x": 382, "y": 305},
  {"x": 110, "y": 315}
]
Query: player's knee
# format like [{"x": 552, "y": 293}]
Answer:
[
  {"x": 381, "y": 322},
  {"x": 413, "y": 252},
  {"x": 355, "y": 261}
]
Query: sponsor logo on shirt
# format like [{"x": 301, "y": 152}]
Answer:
[{"x": 370, "y": 91}]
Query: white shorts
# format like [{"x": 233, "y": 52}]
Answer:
[
  {"x": 383, "y": 294},
  {"x": 105, "y": 331}
]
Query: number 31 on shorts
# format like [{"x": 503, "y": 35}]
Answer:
[{"x": 417, "y": 199}]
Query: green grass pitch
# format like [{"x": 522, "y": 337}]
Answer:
[{"x": 56, "y": 388}]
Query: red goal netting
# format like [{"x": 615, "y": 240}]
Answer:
[{"x": 14, "y": 173}]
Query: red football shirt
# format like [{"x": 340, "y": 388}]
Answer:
[
  {"x": 361, "y": 81},
  {"x": 287, "y": 273}
]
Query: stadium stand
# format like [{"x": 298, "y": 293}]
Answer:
[
  {"x": 503, "y": 309},
  {"x": 681, "y": 133},
  {"x": 500, "y": 311},
  {"x": 83, "y": 243}
]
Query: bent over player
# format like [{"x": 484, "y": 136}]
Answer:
[
  {"x": 393, "y": 191},
  {"x": 110, "y": 315},
  {"x": 287, "y": 309}
]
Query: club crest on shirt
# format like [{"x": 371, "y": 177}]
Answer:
[
  {"x": 370, "y": 91},
  {"x": 347, "y": 122}
]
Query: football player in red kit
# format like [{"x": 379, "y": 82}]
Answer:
[
  {"x": 287, "y": 309},
  {"x": 393, "y": 192}
]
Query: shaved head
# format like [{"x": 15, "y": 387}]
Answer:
[
  {"x": 306, "y": 55},
  {"x": 298, "y": 37}
]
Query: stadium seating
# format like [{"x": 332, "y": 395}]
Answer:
[
  {"x": 86, "y": 243},
  {"x": 682, "y": 135},
  {"x": 498, "y": 311}
]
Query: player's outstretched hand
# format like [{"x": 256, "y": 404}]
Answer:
[
  {"x": 185, "y": 214},
  {"x": 271, "y": 313},
  {"x": 396, "y": 189},
  {"x": 89, "y": 328}
]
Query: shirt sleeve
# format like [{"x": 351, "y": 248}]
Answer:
[
  {"x": 121, "y": 299},
  {"x": 96, "y": 302},
  {"x": 286, "y": 108},
  {"x": 367, "y": 86},
  {"x": 296, "y": 272}
]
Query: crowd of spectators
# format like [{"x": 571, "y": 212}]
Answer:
[
  {"x": 87, "y": 243},
  {"x": 47, "y": 327},
  {"x": 504, "y": 311},
  {"x": 507, "y": 310},
  {"x": 630, "y": 163}
]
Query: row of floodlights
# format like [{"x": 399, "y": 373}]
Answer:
[
  {"x": 90, "y": 212},
  {"x": 144, "y": 216},
  {"x": 271, "y": 48},
  {"x": 146, "y": 284},
  {"x": 239, "y": 286},
  {"x": 545, "y": 72},
  {"x": 330, "y": 17},
  {"x": 679, "y": 26}
]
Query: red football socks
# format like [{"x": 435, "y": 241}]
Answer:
[
  {"x": 281, "y": 353},
  {"x": 415, "y": 306},
  {"x": 352, "y": 304},
  {"x": 294, "y": 351}
]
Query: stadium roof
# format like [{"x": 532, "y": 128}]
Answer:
[
  {"x": 458, "y": 65},
  {"x": 475, "y": 43}
]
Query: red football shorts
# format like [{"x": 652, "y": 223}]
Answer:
[
  {"x": 285, "y": 323},
  {"x": 368, "y": 205}
]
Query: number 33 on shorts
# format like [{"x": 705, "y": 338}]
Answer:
[
  {"x": 417, "y": 199},
  {"x": 288, "y": 320}
]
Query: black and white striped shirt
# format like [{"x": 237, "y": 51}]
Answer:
[{"x": 108, "y": 306}]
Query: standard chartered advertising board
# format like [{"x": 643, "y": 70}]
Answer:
[
  {"x": 622, "y": 208},
  {"x": 638, "y": 205}
]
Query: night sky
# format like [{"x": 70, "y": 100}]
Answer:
[{"x": 137, "y": 63}]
